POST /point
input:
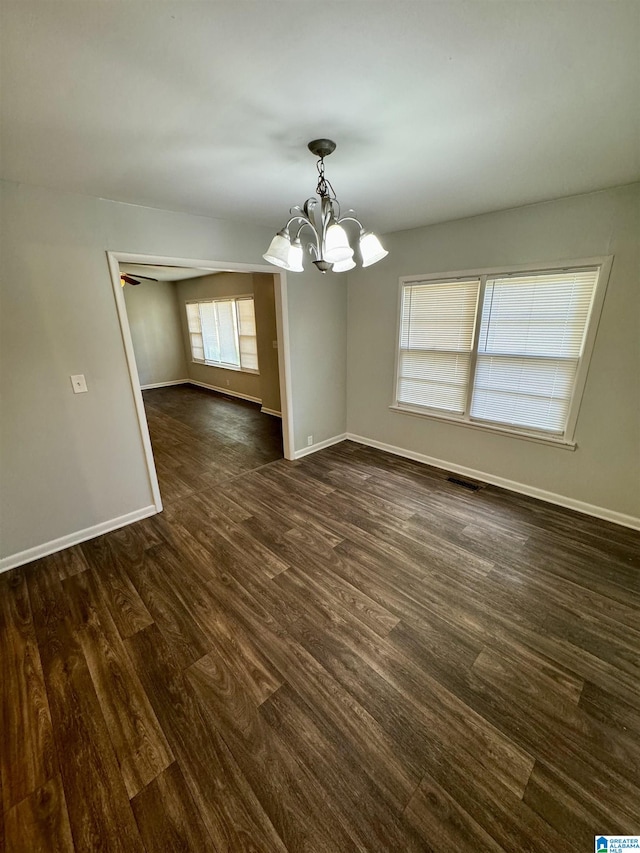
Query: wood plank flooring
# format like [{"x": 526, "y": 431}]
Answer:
[
  {"x": 201, "y": 438},
  {"x": 345, "y": 653}
]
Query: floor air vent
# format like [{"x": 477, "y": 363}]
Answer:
[{"x": 473, "y": 487}]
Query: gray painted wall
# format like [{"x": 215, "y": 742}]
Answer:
[
  {"x": 605, "y": 469},
  {"x": 319, "y": 341},
  {"x": 156, "y": 331},
  {"x": 69, "y": 462}
]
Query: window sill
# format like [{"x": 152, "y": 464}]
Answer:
[
  {"x": 559, "y": 442},
  {"x": 226, "y": 367}
]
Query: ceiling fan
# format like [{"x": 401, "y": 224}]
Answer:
[{"x": 125, "y": 278}]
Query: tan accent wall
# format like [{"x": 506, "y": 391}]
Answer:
[
  {"x": 264, "y": 386},
  {"x": 265, "y": 305}
]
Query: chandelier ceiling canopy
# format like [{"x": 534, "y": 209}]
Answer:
[{"x": 329, "y": 245}]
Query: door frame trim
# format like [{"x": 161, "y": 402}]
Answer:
[{"x": 282, "y": 326}]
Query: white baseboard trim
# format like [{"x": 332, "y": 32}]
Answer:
[
  {"x": 54, "y": 545},
  {"x": 336, "y": 439},
  {"x": 226, "y": 391},
  {"x": 511, "y": 485},
  {"x": 271, "y": 412},
  {"x": 164, "y": 384}
]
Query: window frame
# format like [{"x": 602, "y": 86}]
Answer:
[
  {"x": 567, "y": 439},
  {"x": 221, "y": 365}
]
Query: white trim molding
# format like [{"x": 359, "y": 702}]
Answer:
[
  {"x": 271, "y": 412},
  {"x": 284, "y": 362},
  {"x": 513, "y": 486},
  {"x": 164, "y": 384},
  {"x": 306, "y": 451},
  {"x": 134, "y": 380},
  {"x": 227, "y": 391},
  {"x": 51, "y": 547}
]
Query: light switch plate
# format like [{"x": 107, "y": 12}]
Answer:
[{"x": 78, "y": 383}]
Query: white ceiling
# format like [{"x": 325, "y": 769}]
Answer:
[{"x": 440, "y": 109}]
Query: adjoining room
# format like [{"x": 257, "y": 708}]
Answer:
[{"x": 206, "y": 352}]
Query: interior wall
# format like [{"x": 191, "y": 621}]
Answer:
[
  {"x": 156, "y": 331},
  {"x": 319, "y": 341},
  {"x": 604, "y": 470},
  {"x": 73, "y": 465},
  {"x": 267, "y": 334}
]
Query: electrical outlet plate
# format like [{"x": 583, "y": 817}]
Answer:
[
  {"x": 309, "y": 440},
  {"x": 78, "y": 383}
]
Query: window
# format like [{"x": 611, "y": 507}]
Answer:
[
  {"x": 222, "y": 332},
  {"x": 503, "y": 350},
  {"x": 436, "y": 341}
]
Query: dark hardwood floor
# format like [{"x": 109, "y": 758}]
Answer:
[
  {"x": 345, "y": 653},
  {"x": 201, "y": 438}
]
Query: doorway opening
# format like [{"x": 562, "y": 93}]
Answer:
[{"x": 208, "y": 355}]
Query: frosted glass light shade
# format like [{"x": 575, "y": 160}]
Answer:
[
  {"x": 336, "y": 245},
  {"x": 371, "y": 249},
  {"x": 295, "y": 257},
  {"x": 343, "y": 266},
  {"x": 278, "y": 251}
]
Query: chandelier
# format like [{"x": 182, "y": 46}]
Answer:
[{"x": 329, "y": 246}]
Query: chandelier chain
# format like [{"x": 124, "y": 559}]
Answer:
[{"x": 324, "y": 188}]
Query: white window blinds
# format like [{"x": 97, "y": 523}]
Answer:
[
  {"x": 503, "y": 350},
  {"x": 532, "y": 333},
  {"x": 222, "y": 332},
  {"x": 436, "y": 339},
  {"x": 226, "y": 325},
  {"x": 210, "y": 336},
  {"x": 247, "y": 334},
  {"x": 195, "y": 331}
]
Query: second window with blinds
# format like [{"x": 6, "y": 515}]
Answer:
[
  {"x": 222, "y": 333},
  {"x": 506, "y": 351}
]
